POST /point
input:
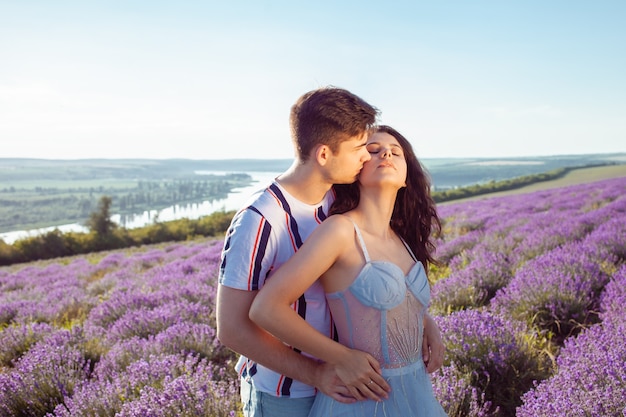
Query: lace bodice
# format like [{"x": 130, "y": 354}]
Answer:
[{"x": 382, "y": 311}]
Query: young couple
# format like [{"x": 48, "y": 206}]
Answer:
[{"x": 336, "y": 325}]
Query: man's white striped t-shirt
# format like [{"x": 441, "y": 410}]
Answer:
[{"x": 262, "y": 236}]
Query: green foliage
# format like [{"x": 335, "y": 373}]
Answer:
[
  {"x": 438, "y": 272},
  {"x": 100, "y": 221},
  {"x": 56, "y": 244},
  {"x": 49, "y": 245},
  {"x": 10, "y": 254},
  {"x": 495, "y": 186}
]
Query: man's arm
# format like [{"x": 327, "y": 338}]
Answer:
[
  {"x": 236, "y": 331},
  {"x": 433, "y": 348}
]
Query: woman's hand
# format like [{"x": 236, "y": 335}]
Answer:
[
  {"x": 362, "y": 375},
  {"x": 433, "y": 348}
]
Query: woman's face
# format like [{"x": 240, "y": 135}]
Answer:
[{"x": 387, "y": 165}]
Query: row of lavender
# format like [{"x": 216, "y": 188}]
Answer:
[
  {"x": 130, "y": 335},
  {"x": 532, "y": 289},
  {"x": 531, "y": 302}
]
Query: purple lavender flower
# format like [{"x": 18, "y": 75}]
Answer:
[
  {"x": 591, "y": 377},
  {"x": 473, "y": 286},
  {"x": 457, "y": 396},
  {"x": 193, "y": 339},
  {"x": 498, "y": 357},
  {"x": 558, "y": 291},
  {"x": 448, "y": 250},
  {"x": 44, "y": 377},
  {"x": 177, "y": 383},
  {"x": 143, "y": 322},
  {"x": 613, "y": 301},
  {"x": 198, "y": 394},
  {"x": 17, "y": 340}
]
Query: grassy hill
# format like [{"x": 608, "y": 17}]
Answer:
[{"x": 573, "y": 177}]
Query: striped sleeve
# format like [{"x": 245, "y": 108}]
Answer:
[{"x": 244, "y": 264}]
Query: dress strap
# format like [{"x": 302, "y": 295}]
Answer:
[
  {"x": 406, "y": 245},
  {"x": 361, "y": 242}
]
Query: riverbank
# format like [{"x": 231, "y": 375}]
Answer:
[{"x": 234, "y": 199}]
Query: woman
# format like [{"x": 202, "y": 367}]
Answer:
[{"x": 371, "y": 258}]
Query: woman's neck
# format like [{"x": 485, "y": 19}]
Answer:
[{"x": 373, "y": 214}]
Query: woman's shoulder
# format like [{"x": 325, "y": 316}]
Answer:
[
  {"x": 339, "y": 225},
  {"x": 339, "y": 220}
]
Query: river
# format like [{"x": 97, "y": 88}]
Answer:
[{"x": 234, "y": 200}]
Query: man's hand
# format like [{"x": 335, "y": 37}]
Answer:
[{"x": 433, "y": 348}]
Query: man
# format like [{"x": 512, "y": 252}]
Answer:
[{"x": 329, "y": 129}]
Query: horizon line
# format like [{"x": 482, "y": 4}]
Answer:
[{"x": 622, "y": 153}]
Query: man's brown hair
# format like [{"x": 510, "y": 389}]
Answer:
[{"x": 328, "y": 116}]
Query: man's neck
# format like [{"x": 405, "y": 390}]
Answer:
[{"x": 304, "y": 183}]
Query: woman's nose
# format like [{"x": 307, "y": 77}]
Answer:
[{"x": 387, "y": 153}]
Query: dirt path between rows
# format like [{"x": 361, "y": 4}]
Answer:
[{"x": 575, "y": 176}]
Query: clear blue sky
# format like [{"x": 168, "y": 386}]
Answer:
[{"x": 214, "y": 80}]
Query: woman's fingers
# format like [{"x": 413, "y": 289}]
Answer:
[
  {"x": 356, "y": 393},
  {"x": 376, "y": 388},
  {"x": 361, "y": 373},
  {"x": 379, "y": 384}
]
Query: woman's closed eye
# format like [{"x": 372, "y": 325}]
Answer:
[{"x": 375, "y": 149}]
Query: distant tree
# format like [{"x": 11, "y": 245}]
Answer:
[
  {"x": 9, "y": 254},
  {"x": 100, "y": 221}
]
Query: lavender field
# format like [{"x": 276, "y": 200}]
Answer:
[{"x": 530, "y": 298}]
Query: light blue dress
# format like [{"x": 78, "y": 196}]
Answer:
[{"x": 382, "y": 313}]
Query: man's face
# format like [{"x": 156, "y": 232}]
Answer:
[{"x": 345, "y": 165}]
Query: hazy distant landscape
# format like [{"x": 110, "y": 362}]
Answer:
[
  {"x": 445, "y": 172},
  {"x": 37, "y": 193}
]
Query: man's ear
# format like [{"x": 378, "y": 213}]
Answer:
[{"x": 322, "y": 154}]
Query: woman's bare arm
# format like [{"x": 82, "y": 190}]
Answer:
[{"x": 271, "y": 309}]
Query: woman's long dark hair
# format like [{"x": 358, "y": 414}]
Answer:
[{"x": 414, "y": 216}]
